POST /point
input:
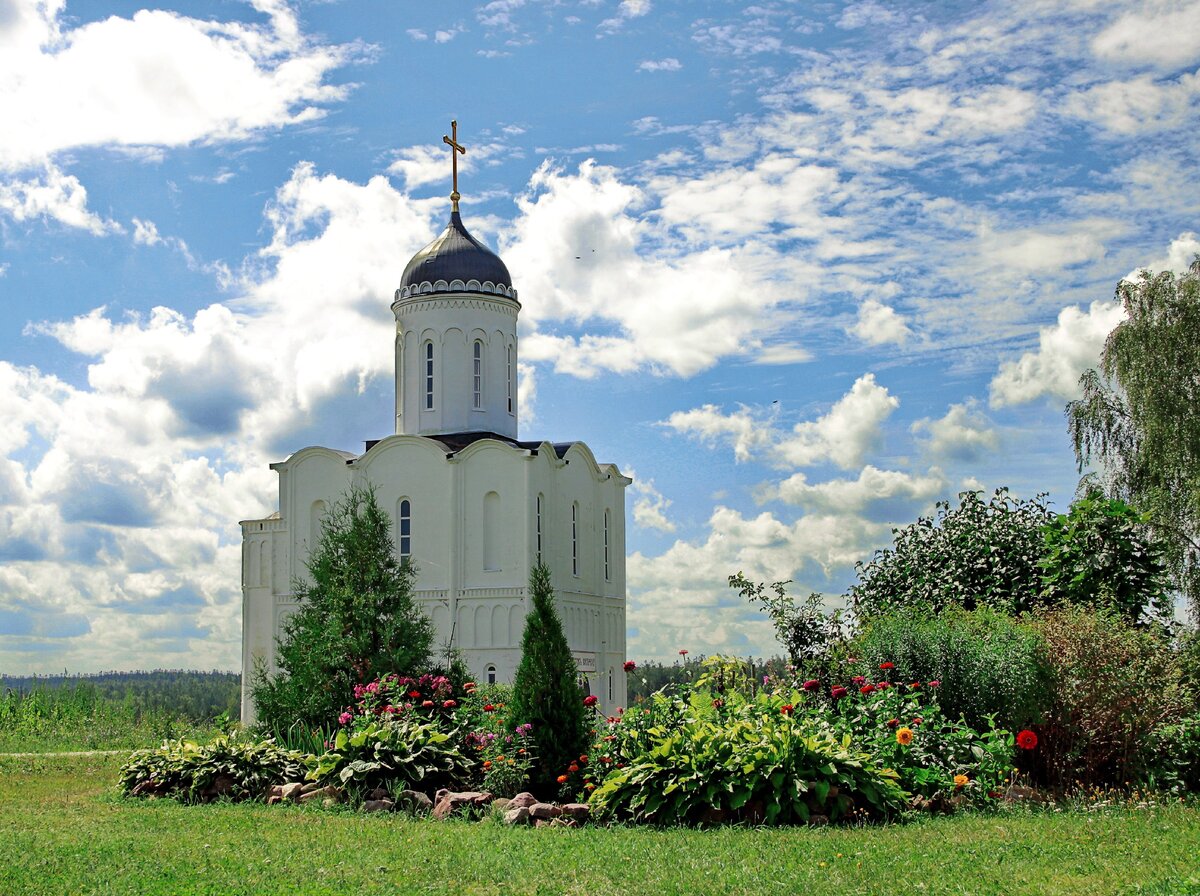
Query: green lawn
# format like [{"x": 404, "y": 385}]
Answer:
[{"x": 64, "y": 831}]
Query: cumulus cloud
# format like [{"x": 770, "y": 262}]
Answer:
[
  {"x": 1161, "y": 34},
  {"x": 1139, "y": 105},
  {"x": 964, "y": 433},
  {"x": 1065, "y": 350},
  {"x": 53, "y": 195},
  {"x": 871, "y": 486},
  {"x": 879, "y": 324},
  {"x": 626, "y": 10},
  {"x": 649, "y": 505},
  {"x": 843, "y": 436}
]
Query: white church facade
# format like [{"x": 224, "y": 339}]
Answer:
[{"x": 472, "y": 506}]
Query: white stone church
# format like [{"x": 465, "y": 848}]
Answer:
[{"x": 472, "y": 506}]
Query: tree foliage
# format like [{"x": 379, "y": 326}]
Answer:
[
  {"x": 1101, "y": 554},
  {"x": 357, "y": 621},
  {"x": 1139, "y": 416},
  {"x": 804, "y": 630},
  {"x": 546, "y": 691},
  {"x": 981, "y": 553}
]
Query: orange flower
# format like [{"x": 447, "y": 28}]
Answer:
[
  {"x": 904, "y": 736},
  {"x": 487, "y": 763},
  {"x": 961, "y": 781},
  {"x": 562, "y": 779},
  {"x": 572, "y": 768}
]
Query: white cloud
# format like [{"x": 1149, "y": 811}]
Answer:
[
  {"x": 54, "y": 195},
  {"x": 771, "y": 355},
  {"x": 416, "y": 34},
  {"x": 649, "y": 505},
  {"x": 1139, "y": 105},
  {"x": 1065, "y": 350},
  {"x": 964, "y": 433},
  {"x": 669, "y": 64},
  {"x": 853, "y": 496},
  {"x": 1161, "y": 34},
  {"x": 430, "y": 163},
  {"x": 879, "y": 324},
  {"x": 843, "y": 436},
  {"x": 145, "y": 233},
  {"x": 1180, "y": 256},
  {"x": 626, "y": 10}
]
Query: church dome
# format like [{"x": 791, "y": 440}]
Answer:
[{"x": 456, "y": 262}]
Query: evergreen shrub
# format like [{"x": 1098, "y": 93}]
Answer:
[{"x": 546, "y": 691}]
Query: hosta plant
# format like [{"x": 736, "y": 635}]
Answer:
[
  {"x": 760, "y": 767},
  {"x": 399, "y": 753},
  {"x": 232, "y": 767}
]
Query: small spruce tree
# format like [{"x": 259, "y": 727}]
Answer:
[
  {"x": 357, "y": 621},
  {"x": 546, "y": 692}
]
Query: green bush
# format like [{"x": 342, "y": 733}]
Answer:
[
  {"x": 546, "y": 692},
  {"x": 1115, "y": 685},
  {"x": 989, "y": 664},
  {"x": 1172, "y": 760},
  {"x": 400, "y": 754},
  {"x": 757, "y": 766},
  {"x": 234, "y": 767}
]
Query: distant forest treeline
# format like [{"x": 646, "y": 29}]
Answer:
[{"x": 200, "y": 696}]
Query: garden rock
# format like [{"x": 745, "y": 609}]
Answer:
[
  {"x": 415, "y": 802},
  {"x": 577, "y": 811},
  {"x": 310, "y": 787},
  {"x": 522, "y": 799},
  {"x": 450, "y": 802},
  {"x": 545, "y": 811},
  {"x": 501, "y": 805},
  {"x": 291, "y": 791},
  {"x": 519, "y": 815},
  {"x": 324, "y": 793},
  {"x": 378, "y": 806},
  {"x": 379, "y": 793}
]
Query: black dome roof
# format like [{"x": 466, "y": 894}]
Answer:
[{"x": 455, "y": 255}]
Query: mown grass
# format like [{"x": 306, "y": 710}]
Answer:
[{"x": 65, "y": 831}]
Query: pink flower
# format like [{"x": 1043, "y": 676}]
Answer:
[
  {"x": 867, "y": 689},
  {"x": 882, "y": 685},
  {"x": 858, "y": 680},
  {"x": 838, "y": 692},
  {"x": 811, "y": 684},
  {"x": 448, "y": 704},
  {"x": 936, "y": 683},
  {"x": 344, "y": 718},
  {"x": 427, "y": 704}
]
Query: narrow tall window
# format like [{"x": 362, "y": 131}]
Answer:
[
  {"x": 538, "y": 526},
  {"x": 405, "y": 521},
  {"x": 429, "y": 376},
  {"x": 510, "y": 379},
  {"x": 477, "y": 376},
  {"x": 606, "y": 577},
  {"x": 574, "y": 539},
  {"x": 491, "y": 674}
]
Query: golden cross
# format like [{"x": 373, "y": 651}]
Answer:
[{"x": 455, "y": 149}]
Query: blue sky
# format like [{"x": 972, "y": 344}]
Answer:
[{"x": 800, "y": 269}]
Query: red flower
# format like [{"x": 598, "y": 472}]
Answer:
[
  {"x": 786, "y": 709},
  {"x": 572, "y": 768},
  {"x": 1026, "y": 740},
  {"x": 811, "y": 684},
  {"x": 867, "y": 689},
  {"x": 882, "y": 685},
  {"x": 886, "y": 666},
  {"x": 915, "y": 685},
  {"x": 917, "y": 720},
  {"x": 838, "y": 692},
  {"x": 562, "y": 779},
  {"x": 591, "y": 700},
  {"x": 630, "y": 665},
  {"x": 583, "y": 759},
  {"x": 414, "y": 694},
  {"x": 683, "y": 652},
  {"x": 488, "y": 707},
  {"x": 892, "y": 723}
]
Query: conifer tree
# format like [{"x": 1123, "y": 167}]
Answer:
[
  {"x": 546, "y": 692},
  {"x": 357, "y": 621}
]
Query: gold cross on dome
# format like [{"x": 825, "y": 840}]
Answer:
[{"x": 455, "y": 149}]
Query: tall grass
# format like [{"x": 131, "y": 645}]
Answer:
[{"x": 77, "y": 716}]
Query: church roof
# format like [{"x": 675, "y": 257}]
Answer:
[
  {"x": 454, "y": 442},
  {"x": 453, "y": 256}
]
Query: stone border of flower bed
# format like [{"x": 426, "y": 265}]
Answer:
[{"x": 524, "y": 808}]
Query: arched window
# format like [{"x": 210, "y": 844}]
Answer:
[
  {"x": 537, "y": 526},
  {"x": 429, "y": 376},
  {"x": 491, "y": 674},
  {"x": 574, "y": 539},
  {"x": 510, "y": 379},
  {"x": 404, "y": 524},
  {"x": 606, "y": 576},
  {"x": 477, "y": 376},
  {"x": 491, "y": 531}
]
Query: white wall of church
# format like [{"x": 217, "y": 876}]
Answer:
[{"x": 474, "y": 540}]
